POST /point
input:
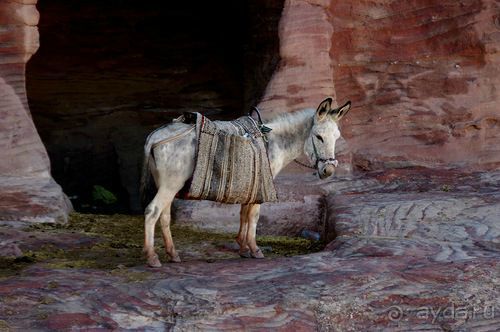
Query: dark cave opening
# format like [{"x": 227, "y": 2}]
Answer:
[{"x": 109, "y": 72}]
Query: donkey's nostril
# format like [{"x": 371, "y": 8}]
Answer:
[{"x": 328, "y": 170}]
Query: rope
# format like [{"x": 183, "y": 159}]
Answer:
[
  {"x": 173, "y": 137},
  {"x": 316, "y": 155},
  {"x": 302, "y": 164}
]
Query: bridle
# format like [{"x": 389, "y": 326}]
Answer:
[
  {"x": 264, "y": 130},
  {"x": 331, "y": 161}
]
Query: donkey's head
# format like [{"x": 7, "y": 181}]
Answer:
[{"x": 320, "y": 145}]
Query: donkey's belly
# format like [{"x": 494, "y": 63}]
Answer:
[{"x": 184, "y": 192}]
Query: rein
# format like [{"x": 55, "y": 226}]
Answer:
[{"x": 305, "y": 165}]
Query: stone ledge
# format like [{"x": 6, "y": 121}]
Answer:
[
  {"x": 32, "y": 200},
  {"x": 301, "y": 206}
]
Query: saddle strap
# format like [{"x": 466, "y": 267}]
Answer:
[{"x": 173, "y": 138}]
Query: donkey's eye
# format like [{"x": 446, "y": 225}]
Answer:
[{"x": 319, "y": 138}]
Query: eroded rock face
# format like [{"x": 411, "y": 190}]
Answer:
[
  {"x": 22, "y": 152},
  {"x": 27, "y": 191},
  {"x": 304, "y": 75},
  {"x": 423, "y": 78}
]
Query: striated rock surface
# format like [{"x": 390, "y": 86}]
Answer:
[
  {"x": 428, "y": 264},
  {"x": 423, "y": 77},
  {"x": 27, "y": 191},
  {"x": 444, "y": 216}
]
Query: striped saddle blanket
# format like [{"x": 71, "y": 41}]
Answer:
[{"x": 232, "y": 165}]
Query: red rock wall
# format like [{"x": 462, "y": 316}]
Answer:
[
  {"x": 304, "y": 74},
  {"x": 22, "y": 152},
  {"x": 27, "y": 190},
  {"x": 423, "y": 76}
]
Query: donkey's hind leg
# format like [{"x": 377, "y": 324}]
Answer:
[
  {"x": 167, "y": 235},
  {"x": 152, "y": 213},
  {"x": 242, "y": 234}
]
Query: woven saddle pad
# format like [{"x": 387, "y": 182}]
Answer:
[{"x": 232, "y": 165}]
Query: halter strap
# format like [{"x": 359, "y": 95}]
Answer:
[{"x": 331, "y": 161}]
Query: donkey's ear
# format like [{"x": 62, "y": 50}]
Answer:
[
  {"x": 338, "y": 113},
  {"x": 324, "y": 108}
]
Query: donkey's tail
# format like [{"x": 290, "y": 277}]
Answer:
[{"x": 146, "y": 171}]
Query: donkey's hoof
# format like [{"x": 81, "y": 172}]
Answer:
[
  {"x": 154, "y": 261},
  {"x": 257, "y": 254},
  {"x": 175, "y": 259},
  {"x": 245, "y": 253}
]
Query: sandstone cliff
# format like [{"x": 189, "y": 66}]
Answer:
[{"x": 27, "y": 191}]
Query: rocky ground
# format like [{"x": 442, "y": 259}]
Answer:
[{"x": 406, "y": 250}]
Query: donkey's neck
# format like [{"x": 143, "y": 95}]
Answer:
[{"x": 287, "y": 138}]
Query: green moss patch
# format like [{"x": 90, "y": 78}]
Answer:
[
  {"x": 120, "y": 240},
  {"x": 4, "y": 327}
]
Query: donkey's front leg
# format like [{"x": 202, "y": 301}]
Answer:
[
  {"x": 253, "y": 218},
  {"x": 242, "y": 234}
]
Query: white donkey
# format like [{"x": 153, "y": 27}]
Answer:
[{"x": 312, "y": 132}]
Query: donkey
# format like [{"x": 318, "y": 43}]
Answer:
[{"x": 310, "y": 132}]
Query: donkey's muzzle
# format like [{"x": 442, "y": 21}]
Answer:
[
  {"x": 328, "y": 168},
  {"x": 327, "y": 171}
]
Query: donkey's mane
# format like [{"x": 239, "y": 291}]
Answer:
[{"x": 290, "y": 121}]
